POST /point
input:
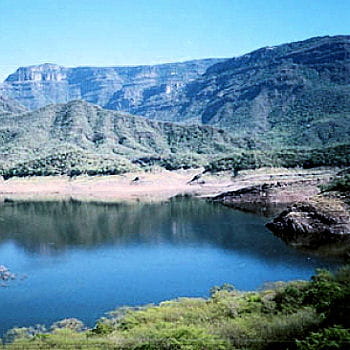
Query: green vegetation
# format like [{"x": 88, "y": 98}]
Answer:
[
  {"x": 79, "y": 138},
  {"x": 77, "y": 162},
  {"x": 296, "y": 315},
  {"x": 339, "y": 184},
  {"x": 283, "y": 106},
  {"x": 306, "y": 158},
  {"x": 71, "y": 163}
]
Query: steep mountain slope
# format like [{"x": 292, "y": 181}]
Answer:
[
  {"x": 120, "y": 88},
  {"x": 86, "y": 135},
  {"x": 9, "y": 106},
  {"x": 293, "y": 94}
]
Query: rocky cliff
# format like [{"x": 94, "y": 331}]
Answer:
[
  {"x": 321, "y": 221},
  {"x": 120, "y": 88},
  {"x": 295, "y": 94},
  {"x": 292, "y": 94}
]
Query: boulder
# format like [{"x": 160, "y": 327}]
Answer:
[{"x": 322, "y": 220}]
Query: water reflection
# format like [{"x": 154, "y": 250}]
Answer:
[
  {"x": 84, "y": 259},
  {"x": 52, "y": 227}
]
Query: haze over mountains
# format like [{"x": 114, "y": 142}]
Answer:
[
  {"x": 120, "y": 88},
  {"x": 294, "y": 95},
  {"x": 273, "y": 90}
]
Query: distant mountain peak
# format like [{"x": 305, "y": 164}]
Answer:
[{"x": 41, "y": 72}]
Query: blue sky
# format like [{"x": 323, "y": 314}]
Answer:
[{"x": 129, "y": 32}]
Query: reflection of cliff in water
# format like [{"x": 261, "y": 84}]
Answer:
[{"x": 51, "y": 227}]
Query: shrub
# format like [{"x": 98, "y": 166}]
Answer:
[
  {"x": 336, "y": 338},
  {"x": 341, "y": 184},
  {"x": 102, "y": 328},
  {"x": 176, "y": 338}
]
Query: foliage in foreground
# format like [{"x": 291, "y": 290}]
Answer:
[{"x": 296, "y": 315}]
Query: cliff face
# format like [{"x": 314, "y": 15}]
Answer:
[
  {"x": 120, "y": 88},
  {"x": 296, "y": 94},
  {"x": 299, "y": 92}
]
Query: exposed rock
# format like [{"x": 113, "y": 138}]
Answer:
[
  {"x": 5, "y": 275},
  {"x": 120, "y": 88},
  {"x": 271, "y": 193},
  {"x": 293, "y": 94},
  {"x": 321, "y": 221}
]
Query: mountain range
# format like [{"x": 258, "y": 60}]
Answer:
[
  {"x": 120, "y": 88},
  {"x": 294, "y": 96}
]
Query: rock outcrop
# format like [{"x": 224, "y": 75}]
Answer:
[
  {"x": 127, "y": 89},
  {"x": 271, "y": 193},
  {"x": 321, "y": 221},
  {"x": 293, "y": 94},
  {"x": 5, "y": 275}
]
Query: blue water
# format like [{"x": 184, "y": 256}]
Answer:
[{"x": 82, "y": 260}]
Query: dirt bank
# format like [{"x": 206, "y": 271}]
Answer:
[{"x": 158, "y": 185}]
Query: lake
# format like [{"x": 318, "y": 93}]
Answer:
[{"x": 84, "y": 259}]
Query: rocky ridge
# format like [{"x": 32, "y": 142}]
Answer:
[
  {"x": 120, "y": 88},
  {"x": 9, "y": 106},
  {"x": 291, "y": 95}
]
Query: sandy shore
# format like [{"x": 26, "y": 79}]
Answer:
[
  {"x": 158, "y": 185},
  {"x": 148, "y": 186}
]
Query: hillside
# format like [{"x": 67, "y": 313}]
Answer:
[
  {"x": 81, "y": 136},
  {"x": 120, "y": 88},
  {"x": 294, "y": 94},
  {"x": 9, "y": 106}
]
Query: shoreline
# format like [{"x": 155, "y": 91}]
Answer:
[
  {"x": 153, "y": 186},
  {"x": 110, "y": 188}
]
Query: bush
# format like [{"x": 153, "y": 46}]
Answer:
[
  {"x": 341, "y": 184},
  {"x": 176, "y": 338},
  {"x": 102, "y": 328},
  {"x": 336, "y": 338},
  {"x": 288, "y": 158}
]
